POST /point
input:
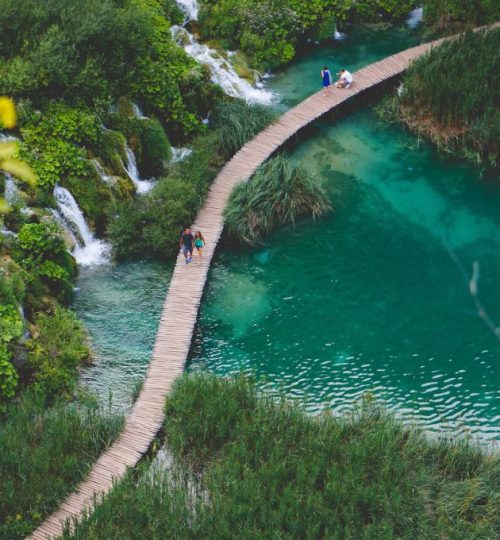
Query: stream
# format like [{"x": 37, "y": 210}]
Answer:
[{"x": 373, "y": 300}]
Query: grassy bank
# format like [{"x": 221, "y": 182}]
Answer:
[
  {"x": 451, "y": 97},
  {"x": 44, "y": 453},
  {"x": 250, "y": 467}
]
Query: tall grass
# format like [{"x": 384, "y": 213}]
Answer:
[
  {"x": 267, "y": 470},
  {"x": 279, "y": 192},
  {"x": 238, "y": 122},
  {"x": 44, "y": 453},
  {"x": 452, "y": 96}
]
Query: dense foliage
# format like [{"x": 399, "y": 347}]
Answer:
[
  {"x": 451, "y": 96},
  {"x": 91, "y": 52},
  {"x": 152, "y": 224},
  {"x": 251, "y": 467},
  {"x": 279, "y": 192},
  {"x": 43, "y": 455},
  {"x": 269, "y": 31},
  {"x": 453, "y": 14}
]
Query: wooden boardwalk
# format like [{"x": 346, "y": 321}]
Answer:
[{"x": 184, "y": 295}]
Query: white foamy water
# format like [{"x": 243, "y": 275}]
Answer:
[
  {"x": 11, "y": 191},
  {"x": 415, "y": 17},
  {"x": 221, "y": 70},
  {"x": 142, "y": 186},
  {"x": 138, "y": 112},
  {"x": 190, "y": 9},
  {"x": 180, "y": 154},
  {"x": 88, "y": 251},
  {"x": 101, "y": 172}
]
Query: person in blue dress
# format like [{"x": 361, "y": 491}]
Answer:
[{"x": 326, "y": 77}]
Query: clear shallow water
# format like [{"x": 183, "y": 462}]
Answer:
[
  {"x": 372, "y": 299},
  {"x": 120, "y": 307}
]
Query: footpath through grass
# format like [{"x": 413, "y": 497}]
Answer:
[
  {"x": 44, "y": 453},
  {"x": 264, "y": 469}
]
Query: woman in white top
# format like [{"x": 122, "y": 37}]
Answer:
[{"x": 345, "y": 79}]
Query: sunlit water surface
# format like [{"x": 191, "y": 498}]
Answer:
[{"x": 372, "y": 300}]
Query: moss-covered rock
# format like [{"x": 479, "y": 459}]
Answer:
[{"x": 112, "y": 151}]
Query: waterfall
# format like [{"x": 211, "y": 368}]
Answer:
[
  {"x": 190, "y": 8},
  {"x": 102, "y": 174},
  {"x": 180, "y": 154},
  {"x": 11, "y": 191},
  {"x": 222, "y": 72},
  {"x": 415, "y": 17},
  {"x": 142, "y": 186},
  {"x": 137, "y": 112},
  {"x": 88, "y": 251}
]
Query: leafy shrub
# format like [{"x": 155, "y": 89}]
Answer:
[
  {"x": 8, "y": 376},
  {"x": 53, "y": 142},
  {"x": 279, "y": 192},
  {"x": 43, "y": 255},
  {"x": 374, "y": 10},
  {"x": 58, "y": 350},
  {"x": 152, "y": 224},
  {"x": 44, "y": 453},
  {"x": 239, "y": 122}
]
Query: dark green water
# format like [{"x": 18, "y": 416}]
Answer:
[{"x": 373, "y": 299}]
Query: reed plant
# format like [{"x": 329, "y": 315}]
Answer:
[
  {"x": 239, "y": 122},
  {"x": 281, "y": 191},
  {"x": 44, "y": 453},
  {"x": 451, "y": 96},
  {"x": 264, "y": 469}
]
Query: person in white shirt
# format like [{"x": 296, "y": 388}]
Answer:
[{"x": 345, "y": 79}]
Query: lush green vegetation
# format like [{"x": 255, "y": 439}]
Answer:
[
  {"x": 270, "y": 31},
  {"x": 251, "y": 467},
  {"x": 451, "y": 96},
  {"x": 451, "y": 15},
  {"x": 152, "y": 224},
  {"x": 44, "y": 453},
  {"x": 280, "y": 192}
]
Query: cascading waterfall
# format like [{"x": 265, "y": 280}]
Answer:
[
  {"x": 222, "y": 72},
  {"x": 142, "y": 186},
  {"x": 102, "y": 174},
  {"x": 11, "y": 191},
  {"x": 88, "y": 251},
  {"x": 138, "y": 112},
  {"x": 180, "y": 154},
  {"x": 415, "y": 17}
]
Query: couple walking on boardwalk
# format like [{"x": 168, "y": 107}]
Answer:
[
  {"x": 344, "y": 80},
  {"x": 188, "y": 242}
]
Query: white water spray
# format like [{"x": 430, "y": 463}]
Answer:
[
  {"x": 221, "y": 70},
  {"x": 88, "y": 251},
  {"x": 180, "y": 154},
  {"x": 102, "y": 174},
  {"x": 11, "y": 191},
  {"x": 142, "y": 186},
  {"x": 138, "y": 112},
  {"x": 415, "y": 17}
]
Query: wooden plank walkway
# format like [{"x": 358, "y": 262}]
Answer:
[{"x": 184, "y": 295}]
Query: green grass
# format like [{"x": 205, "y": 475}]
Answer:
[
  {"x": 44, "y": 453},
  {"x": 279, "y": 192},
  {"x": 239, "y": 122},
  {"x": 451, "y": 96},
  {"x": 265, "y": 469}
]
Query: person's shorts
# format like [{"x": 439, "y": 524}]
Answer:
[{"x": 186, "y": 249}]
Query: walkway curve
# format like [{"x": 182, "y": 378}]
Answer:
[{"x": 184, "y": 295}]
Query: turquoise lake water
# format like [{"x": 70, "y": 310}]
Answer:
[{"x": 373, "y": 299}]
